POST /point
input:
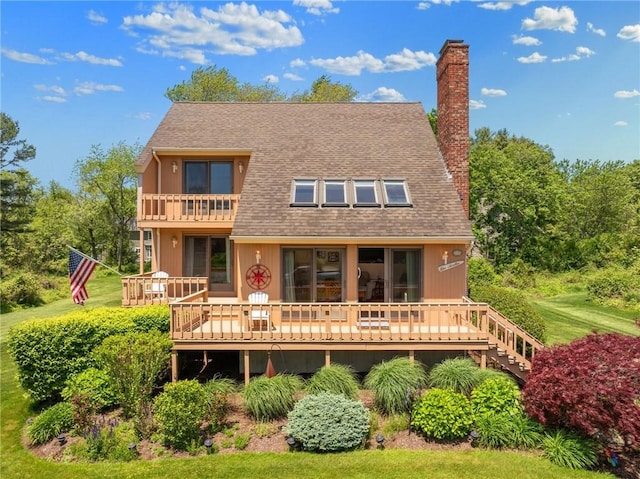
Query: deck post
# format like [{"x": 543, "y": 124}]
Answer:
[
  {"x": 174, "y": 366},
  {"x": 483, "y": 359},
  {"x": 246, "y": 367},
  {"x": 412, "y": 355},
  {"x": 327, "y": 357}
]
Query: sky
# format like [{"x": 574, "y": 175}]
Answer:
[{"x": 79, "y": 74}]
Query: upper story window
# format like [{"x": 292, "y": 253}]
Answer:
[
  {"x": 395, "y": 193},
  {"x": 365, "y": 193},
  {"x": 208, "y": 177},
  {"x": 304, "y": 193},
  {"x": 335, "y": 193}
]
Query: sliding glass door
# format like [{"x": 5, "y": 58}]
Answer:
[
  {"x": 389, "y": 275},
  {"x": 212, "y": 257},
  {"x": 313, "y": 274}
]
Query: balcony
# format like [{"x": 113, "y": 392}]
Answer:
[
  {"x": 143, "y": 289},
  {"x": 174, "y": 210}
]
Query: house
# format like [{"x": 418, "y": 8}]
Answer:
[{"x": 324, "y": 231}]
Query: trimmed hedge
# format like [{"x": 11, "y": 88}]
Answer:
[
  {"x": 513, "y": 305},
  {"x": 47, "y": 352}
]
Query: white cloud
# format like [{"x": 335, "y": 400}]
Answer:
[
  {"x": 238, "y": 29},
  {"x": 317, "y": 7},
  {"x": 96, "y": 18},
  {"x": 546, "y": 18},
  {"x": 535, "y": 57},
  {"x": 270, "y": 79},
  {"x": 144, "y": 115},
  {"x": 630, "y": 32},
  {"x": 292, "y": 77},
  {"x": 86, "y": 57},
  {"x": 25, "y": 57},
  {"x": 626, "y": 94},
  {"x": 383, "y": 94},
  {"x": 620, "y": 123},
  {"x": 597, "y": 31},
  {"x": 581, "y": 52},
  {"x": 58, "y": 90},
  {"x": 406, "y": 60},
  {"x": 423, "y": 5},
  {"x": 89, "y": 88},
  {"x": 527, "y": 41},
  {"x": 297, "y": 63},
  {"x": 503, "y": 5},
  {"x": 53, "y": 99},
  {"x": 476, "y": 104},
  {"x": 492, "y": 92}
]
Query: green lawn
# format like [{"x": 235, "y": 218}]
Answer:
[
  {"x": 571, "y": 316},
  {"x": 18, "y": 463}
]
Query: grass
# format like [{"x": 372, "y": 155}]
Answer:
[
  {"x": 571, "y": 316},
  {"x": 18, "y": 463}
]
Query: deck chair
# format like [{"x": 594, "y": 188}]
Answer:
[
  {"x": 259, "y": 318},
  {"x": 157, "y": 288}
]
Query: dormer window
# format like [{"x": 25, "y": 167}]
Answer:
[
  {"x": 395, "y": 193},
  {"x": 365, "y": 193},
  {"x": 335, "y": 193},
  {"x": 304, "y": 193}
]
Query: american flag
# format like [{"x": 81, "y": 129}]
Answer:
[{"x": 80, "y": 269}]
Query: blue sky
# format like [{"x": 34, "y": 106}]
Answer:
[{"x": 564, "y": 74}]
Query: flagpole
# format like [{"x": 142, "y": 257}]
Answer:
[{"x": 95, "y": 260}]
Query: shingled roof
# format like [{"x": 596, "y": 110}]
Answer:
[{"x": 323, "y": 140}]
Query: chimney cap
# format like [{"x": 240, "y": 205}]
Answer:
[{"x": 449, "y": 42}]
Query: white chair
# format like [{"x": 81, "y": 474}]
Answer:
[
  {"x": 260, "y": 318},
  {"x": 157, "y": 288}
]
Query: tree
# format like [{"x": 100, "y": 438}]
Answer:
[
  {"x": 324, "y": 90},
  {"x": 22, "y": 151},
  {"x": 516, "y": 195},
  {"x": 432, "y": 116},
  {"x": 213, "y": 84},
  {"x": 108, "y": 181},
  {"x": 590, "y": 386},
  {"x": 217, "y": 84}
]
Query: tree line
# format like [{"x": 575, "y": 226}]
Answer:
[{"x": 527, "y": 208}]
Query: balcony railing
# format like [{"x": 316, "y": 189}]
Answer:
[
  {"x": 178, "y": 207},
  {"x": 144, "y": 289}
]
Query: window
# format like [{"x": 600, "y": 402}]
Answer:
[
  {"x": 208, "y": 177},
  {"x": 365, "y": 193},
  {"x": 395, "y": 192},
  {"x": 313, "y": 274},
  {"x": 304, "y": 193},
  {"x": 334, "y": 193}
]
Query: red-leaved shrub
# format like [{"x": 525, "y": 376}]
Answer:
[{"x": 591, "y": 385}]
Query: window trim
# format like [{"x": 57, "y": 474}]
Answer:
[
  {"x": 304, "y": 182},
  {"x": 335, "y": 204},
  {"x": 387, "y": 201}
]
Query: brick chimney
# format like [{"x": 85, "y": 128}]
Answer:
[{"x": 452, "y": 74}]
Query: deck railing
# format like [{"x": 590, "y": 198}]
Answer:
[
  {"x": 143, "y": 289},
  {"x": 181, "y": 207}
]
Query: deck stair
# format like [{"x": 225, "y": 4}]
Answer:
[{"x": 511, "y": 349}]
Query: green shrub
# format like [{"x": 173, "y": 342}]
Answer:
[
  {"x": 504, "y": 430},
  {"x": 395, "y": 384},
  {"x": 95, "y": 384},
  {"x": 271, "y": 398},
  {"x": 51, "y": 422},
  {"x": 442, "y": 414},
  {"x": 217, "y": 391},
  {"x": 395, "y": 424},
  {"x": 615, "y": 285},
  {"x": 133, "y": 362},
  {"x": 22, "y": 288},
  {"x": 179, "y": 411},
  {"x": 496, "y": 396},
  {"x": 106, "y": 440},
  {"x": 513, "y": 305},
  {"x": 489, "y": 373},
  {"x": 458, "y": 374},
  {"x": 336, "y": 379},
  {"x": 241, "y": 441},
  {"x": 569, "y": 450},
  {"x": 481, "y": 273},
  {"x": 47, "y": 352},
  {"x": 328, "y": 422}
]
